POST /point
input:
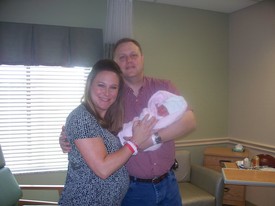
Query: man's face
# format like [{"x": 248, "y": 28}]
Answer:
[{"x": 128, "y": 56}]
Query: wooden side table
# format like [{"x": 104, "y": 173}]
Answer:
[
  {"x": 214, "y": 157},
  {"x": 256, "y": 177}
]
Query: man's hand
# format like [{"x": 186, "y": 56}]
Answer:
[{"x": 63, "y": 141}]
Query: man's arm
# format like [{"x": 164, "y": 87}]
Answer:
[
  {"x": 63, "y": 141},
  {"x": 179, "y": 128}
]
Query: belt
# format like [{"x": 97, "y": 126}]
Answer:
[{"x": 155, "y": 180}]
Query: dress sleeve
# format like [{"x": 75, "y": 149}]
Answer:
[{"x": 81, "y": 124}]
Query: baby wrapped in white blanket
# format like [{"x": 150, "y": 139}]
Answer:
[{"x": 165, "y": 106}]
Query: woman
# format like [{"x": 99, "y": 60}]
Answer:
[{"x": 96, "y": 175}]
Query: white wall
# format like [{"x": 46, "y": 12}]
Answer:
[
  {"x": 252, "y": 83},
  {"x": 252, "y": 74}
]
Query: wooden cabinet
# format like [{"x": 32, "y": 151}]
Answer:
[{"x": 213, "y": 159}]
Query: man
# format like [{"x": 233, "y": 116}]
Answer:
[{"x": 152, "y": 180}]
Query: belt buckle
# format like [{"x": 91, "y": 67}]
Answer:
[{"x": 155, "y": 180}]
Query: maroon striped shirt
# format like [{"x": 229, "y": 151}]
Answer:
[{"x": 152, "y": 163}]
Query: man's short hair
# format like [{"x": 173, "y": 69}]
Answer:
[{"x": 125, "y": 40}]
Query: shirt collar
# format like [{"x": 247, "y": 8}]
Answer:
[{"x": 130, "y": 90}]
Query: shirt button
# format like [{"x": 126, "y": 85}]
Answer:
[{"x": 155, "y": 164}]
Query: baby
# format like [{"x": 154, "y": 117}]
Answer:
[{"x": 165, "y": 106}]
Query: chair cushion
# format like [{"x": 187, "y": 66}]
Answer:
[
  {"x": 2, "y": 159},
  {"x": 194, "y": 196},
  {"x": 183, "y": 171},
  {"x": 10, "y": 191}
]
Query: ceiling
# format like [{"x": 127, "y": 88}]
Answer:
[{"x": 224, "y": 6}]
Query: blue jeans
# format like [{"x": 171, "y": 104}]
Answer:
[{"x": 165, "y": 193}]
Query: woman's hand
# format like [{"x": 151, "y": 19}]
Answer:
[{"x": 143, "y": 129}]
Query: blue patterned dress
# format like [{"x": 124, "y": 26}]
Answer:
[{"x": 82, "y": 186}]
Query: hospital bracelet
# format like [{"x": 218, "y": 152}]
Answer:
[{"x": 132, "y": 146}]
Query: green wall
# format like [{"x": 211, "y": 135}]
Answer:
[
  {"x": 78, "y": 13},
  {"x": 190, "y": 47}
]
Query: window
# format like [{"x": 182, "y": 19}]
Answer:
[{"x": 34, "y": 104}]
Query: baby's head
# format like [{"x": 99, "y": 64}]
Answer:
[
  {"x": 162, "y": 110},
  {"x": 170, "y": 106}
]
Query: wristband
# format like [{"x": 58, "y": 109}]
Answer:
[{"x": 132, "y": 147}]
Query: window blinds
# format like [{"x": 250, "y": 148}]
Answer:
[{"x": 34, "y": 104}]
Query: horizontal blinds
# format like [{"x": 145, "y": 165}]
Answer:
[{"x": 34, "y": 104}]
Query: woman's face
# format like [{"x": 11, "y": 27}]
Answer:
[{"x": 104, "y": 91}]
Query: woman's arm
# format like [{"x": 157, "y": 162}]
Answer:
[{"x": 94, "y": 152}]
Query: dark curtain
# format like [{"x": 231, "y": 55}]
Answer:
[
  {"x": 51, "y": 45},
  {"x": 15, "y": 43},
  {"x": 33, "y": 44},
  {"x": 86, "y": 46}
]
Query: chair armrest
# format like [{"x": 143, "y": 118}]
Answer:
[
  {"x": 208, "y": 180},
  {"x": 58, "y": 188},
  {"x": 23, "y": 202}
]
